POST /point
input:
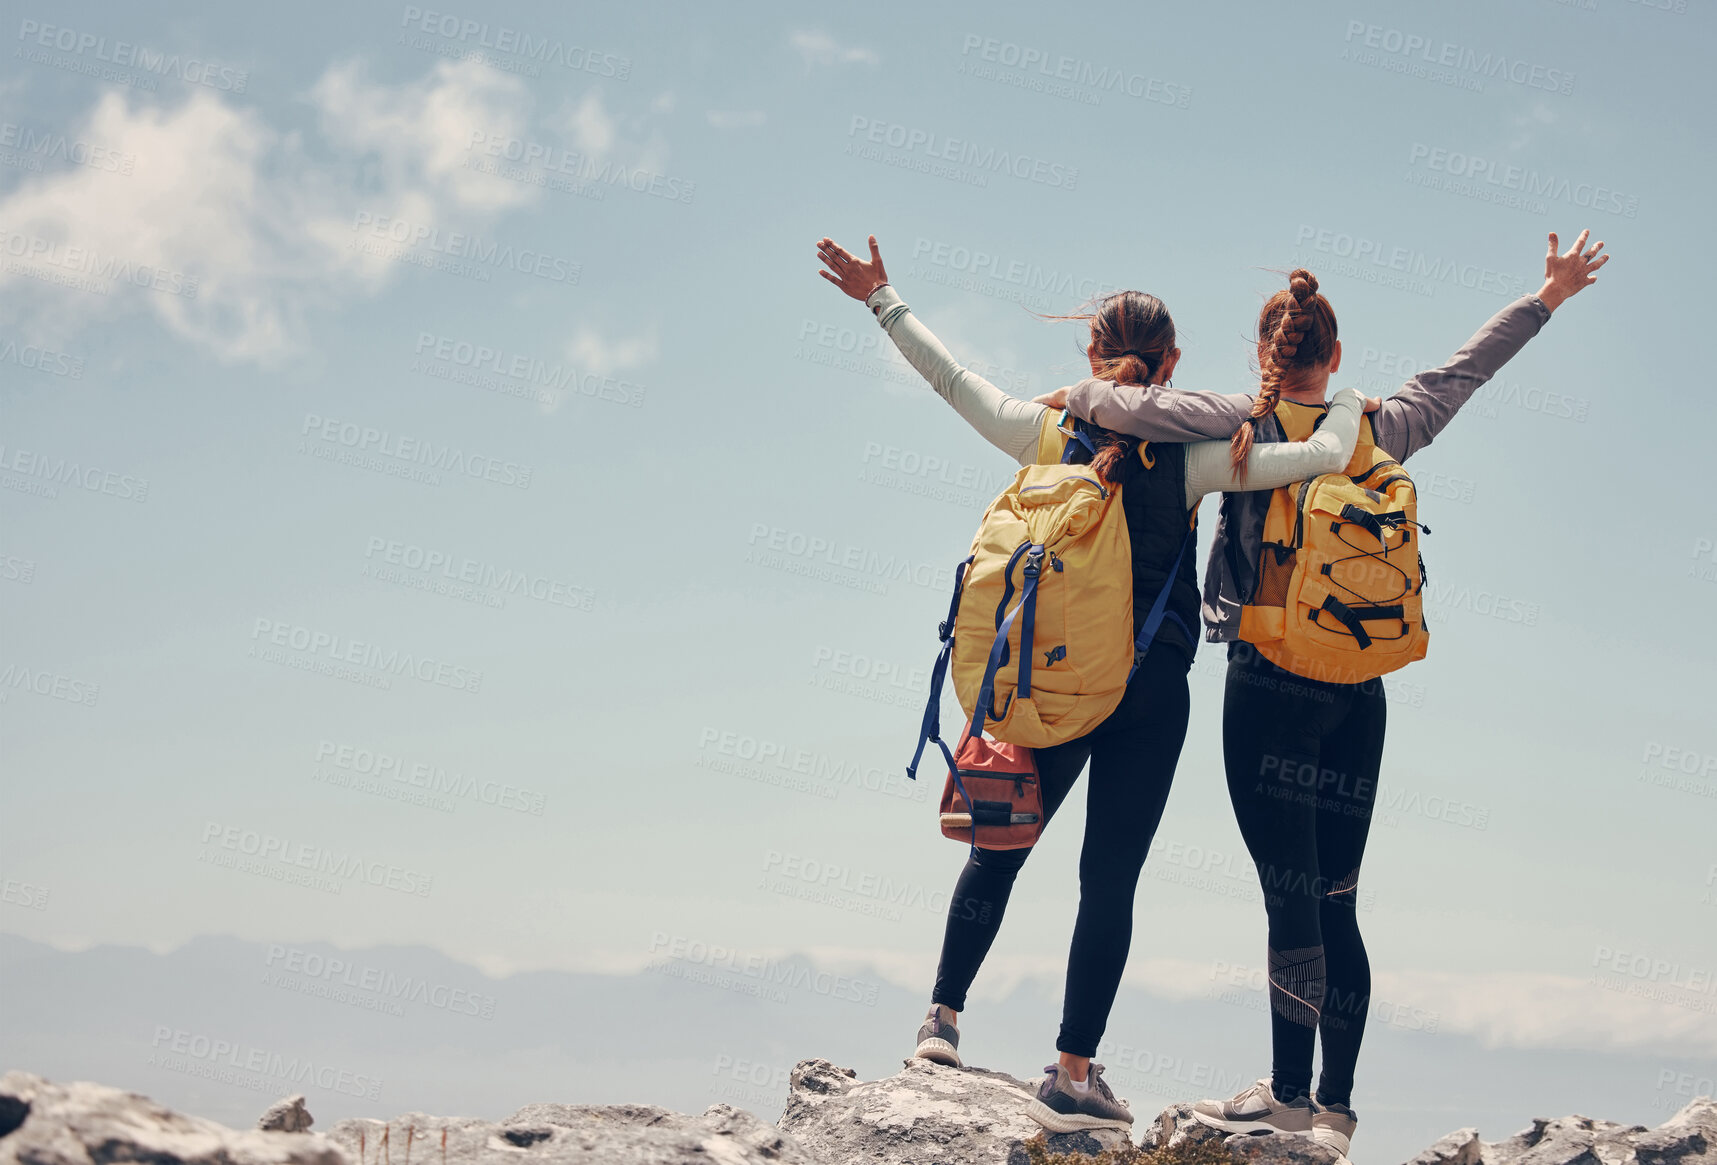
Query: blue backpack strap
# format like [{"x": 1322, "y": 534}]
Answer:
[
  {"x": 931, "y": 729},
  {"x": 1154, "y": 620},
  {"x": 1079, "y": 437},
  {"x": 1028, "y": 604}
]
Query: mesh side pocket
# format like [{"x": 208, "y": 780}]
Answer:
[{"x": 1275, "y": 568}]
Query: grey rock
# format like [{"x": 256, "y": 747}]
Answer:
[
  {"x": 1175, "y": 1128},
  {"x": 286, "y": 1116},
  {"x": 1280, "y": 1149},
  {"x": 83, "y": 1124},
  {"x": 926, "y": 1112},
  {"x": 550, "y": 1134},
  {"x": 1461, "y": 1147},
  {"x": 1687, "y": 1138}
]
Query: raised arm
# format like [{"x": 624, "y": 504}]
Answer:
[
  {"x": 1423, "y": 407},
  {"x": 1210, "y": 468},
  {"x": 1010, "y": 424}
]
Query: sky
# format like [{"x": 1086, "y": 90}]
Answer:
[{"x": 442, "y": 506}]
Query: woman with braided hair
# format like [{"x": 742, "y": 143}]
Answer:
[
  {"x": 1277, "y": 724},
  {"x": 1132, "y": 754}
]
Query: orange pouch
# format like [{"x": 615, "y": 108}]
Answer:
[{"x": 992, "y": 799}]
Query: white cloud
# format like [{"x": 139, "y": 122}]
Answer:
[
  {"x": 736, "y": 119},
  {"x": 259, "y": 224},
  {"x": 421, "y": 132},
  {"x": 819, "y": 48},
  {"x": 606, "y": 355}
]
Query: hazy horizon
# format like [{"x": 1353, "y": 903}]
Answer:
[{"x": 441, "y": 507}]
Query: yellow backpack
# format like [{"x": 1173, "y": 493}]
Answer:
[
  {"x": 1339, "y": 574},
  {"x": 1039, "y": 632}
]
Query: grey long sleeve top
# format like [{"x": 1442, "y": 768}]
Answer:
[
  {"x": 1013, "y": 425},
  {"x": 1408, "y": 421}
]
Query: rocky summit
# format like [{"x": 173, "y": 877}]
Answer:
[{"x": 925, "y": 1113}]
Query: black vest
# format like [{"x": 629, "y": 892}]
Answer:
[{"x": 1153, "y": 498}]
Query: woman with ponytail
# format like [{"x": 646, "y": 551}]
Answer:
[
  {"x": 1133, "y": 753},
  {"x": 1277, "y": 724}
]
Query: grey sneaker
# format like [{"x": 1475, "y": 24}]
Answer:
[
  {"x": 1256, "y": 1110},
  {"x": 937, "y": 1041},
  {"x": 1333, "y": 1126},
  {"x": 1061, "y": 1108}
]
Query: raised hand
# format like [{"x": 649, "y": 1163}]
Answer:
[
  {"x": 850, "y": 273},
  {"x": 1567, "y": 273}
]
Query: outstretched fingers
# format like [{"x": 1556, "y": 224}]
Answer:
[{"x": 1579, "y": 244}]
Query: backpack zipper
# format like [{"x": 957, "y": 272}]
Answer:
[{"x": 1075, "y": 477}]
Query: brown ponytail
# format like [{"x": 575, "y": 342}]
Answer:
[
  {"x": 1296, "y": 331},
  {"x": 1132, "y": 334}
]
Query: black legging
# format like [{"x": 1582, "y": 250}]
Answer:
[
  {"x": 1133, "y": 755},
  {"x": 1302, "y": 759}
]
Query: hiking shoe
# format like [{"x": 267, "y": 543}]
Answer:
[
  {"x": 1062, "y": 1108},
  {"x": 938, "y": 1042},
  {"x": 1256, "y": 1110},
  {"x": 1333, "y": 1126}
]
